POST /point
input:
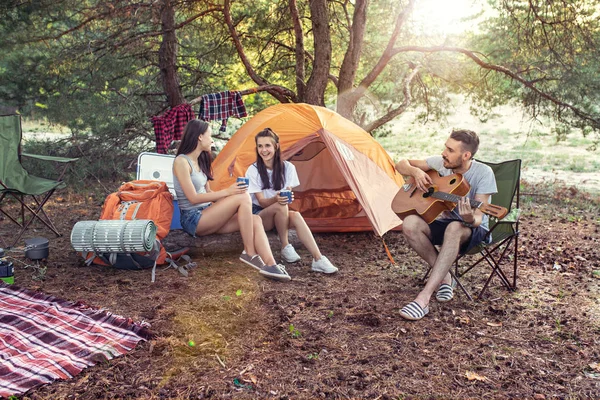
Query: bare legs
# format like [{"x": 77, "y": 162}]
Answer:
[
  {"x": 418, "y": 235},
  {"x": 261, "y": 242},
  {"x": 232, "y": 214},
  {"x": 280, "y": 217},
  {"x": 304, "y": 234},
  {"x": 277, "y": 216}
]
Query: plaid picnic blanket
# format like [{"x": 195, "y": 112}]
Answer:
[{"x": 43, "y": 338}]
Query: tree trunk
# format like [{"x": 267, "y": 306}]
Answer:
[
  {"x": 317, "y": 83},
  {"x": 167, "y": 55},
  {"x": 345, "y": 106},
  {"x": 299, "y": 49}
]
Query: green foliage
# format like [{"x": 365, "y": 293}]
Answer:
[
  {"x": 93, "y": 66},
  {"x": 294, "y": 332},
  {"x": 100, "y": 81},
  {"x": 100, "y": 159},
  {"x": 553, "y": 45},
  {"x": 382, "y": 131}
]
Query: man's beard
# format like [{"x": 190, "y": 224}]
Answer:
[{"x": 449, "y": 165}]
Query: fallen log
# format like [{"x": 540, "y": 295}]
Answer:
[{"x": 219, "y": 243}]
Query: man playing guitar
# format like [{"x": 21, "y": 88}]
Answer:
[{"x": 455, "y": 231}]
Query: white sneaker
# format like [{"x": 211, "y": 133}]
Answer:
[
  {"x": 324, "y": 265},
  {"x": 288, "y": 253}
]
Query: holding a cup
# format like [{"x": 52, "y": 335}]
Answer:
[
  {"x": 287, "y": 193},
  {"x": 271, "y": 181},
  {"x": 243, "y": 181},
  {"x": 205, "y": 212}
]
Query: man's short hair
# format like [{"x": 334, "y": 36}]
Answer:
[{"x": 469, "y": 140}]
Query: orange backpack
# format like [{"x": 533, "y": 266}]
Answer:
[{"x": 140, "y": 199}]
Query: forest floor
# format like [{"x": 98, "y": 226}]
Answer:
[{"x": 341, "y": 336}]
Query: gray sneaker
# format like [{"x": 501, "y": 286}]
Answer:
[
  {"x": 254, "y": 261},
  {"x": 275, "y": 272}
]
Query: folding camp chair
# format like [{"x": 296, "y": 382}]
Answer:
[
  {"x": 504, "y": 232},
  {"x": 16, "y": 183}
]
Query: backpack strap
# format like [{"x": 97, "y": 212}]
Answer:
[
  {"x": 137, "y": 208},
  {"x": 126, "y": 205},
  {"x": 154, "y": 273},
  {"x": 182, "y": 269}
]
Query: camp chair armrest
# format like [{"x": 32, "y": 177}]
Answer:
[
  {"x": 50, "y": 158},
  {"x": 512, "y": 217},
  {"x": 498, "y": 224}
]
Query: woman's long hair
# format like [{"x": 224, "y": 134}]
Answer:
[
  {"x": 278, "y": 165},
  {"x": 191, "y": 134}
]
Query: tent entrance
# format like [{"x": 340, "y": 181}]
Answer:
[{"x": 323, "y": 192}]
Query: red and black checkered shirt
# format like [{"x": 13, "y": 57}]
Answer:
[{"x": 170, "y": 125}]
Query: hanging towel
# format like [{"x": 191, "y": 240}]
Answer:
[
  {"x": 170, "y": 125},
  {"x": 221, "y": 106}
]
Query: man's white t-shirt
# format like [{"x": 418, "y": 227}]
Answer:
[{"x": 256, "y": 184}]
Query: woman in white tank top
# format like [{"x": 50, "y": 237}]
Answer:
[{"x": 204, "y": 212}]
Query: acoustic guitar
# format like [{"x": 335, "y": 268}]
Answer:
[{"x": 443, "y": 195}]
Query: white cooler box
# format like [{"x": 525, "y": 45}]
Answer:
[{"x": 159, "y": 167}]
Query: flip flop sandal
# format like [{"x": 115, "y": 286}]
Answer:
[
  {"x": 446, "y": 292},
  {"x": 413, "y": 311}
]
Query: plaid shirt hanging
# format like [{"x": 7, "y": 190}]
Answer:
[
  {"x": 170, "y": 125},
  {"x": 221, "y": 106}
]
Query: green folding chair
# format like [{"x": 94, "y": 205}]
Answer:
[
  {"x": 504, "y": 232},
  {"x": 30, "y": 191}
]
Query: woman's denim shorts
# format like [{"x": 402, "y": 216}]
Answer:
[
  {"x": 256, "y": 208},
  {"x": 190, "y": 218}
]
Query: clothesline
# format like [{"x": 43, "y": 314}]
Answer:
[
  {"x": 214, "y": 106},
  {"x": 244, "y": 92}
]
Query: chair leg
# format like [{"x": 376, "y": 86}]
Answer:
[
  {"x": 460, "y": 285},
  {"x": 424, "y": 278},
  {"x": 48, "y": 222},
  {"x": 515, "y": 259},
  {"x": 454, "y": 276},
  {"x": 22, "y": 200},
  {"x": 495, "y": 265},
  {"x": 496, "y": 270},
  {"x": 7, "y": 214},
  {"x": 35, "y": 214}
]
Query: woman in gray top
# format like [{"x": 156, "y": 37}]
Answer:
[{"x": 204, "y": 212}]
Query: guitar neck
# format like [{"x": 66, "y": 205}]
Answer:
[{"x": 455, "y": 199}]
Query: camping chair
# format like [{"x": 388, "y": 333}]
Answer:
[
  {"x": 15, "y": 182},
  {"x": 504, "y": 232}
]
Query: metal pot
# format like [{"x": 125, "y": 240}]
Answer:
[{"x": 37, "y": 248}]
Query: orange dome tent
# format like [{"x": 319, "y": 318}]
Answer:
[{"x": 347, "y": 179}]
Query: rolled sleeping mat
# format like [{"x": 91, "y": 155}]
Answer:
[{"x": 114, "y": 236}]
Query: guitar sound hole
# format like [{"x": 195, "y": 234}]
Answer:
[
  {"x": 428, "y": 193},
  {"x": 452, "y": 181}
]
